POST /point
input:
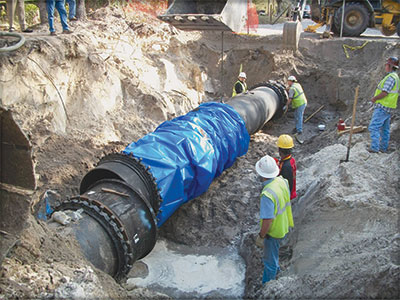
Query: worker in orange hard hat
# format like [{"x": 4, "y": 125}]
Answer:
[
  {"x": 286, "y": 162},
  {"x": 385, "y": 103}
]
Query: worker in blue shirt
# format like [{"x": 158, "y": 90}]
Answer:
[
  {"x": 385, "y": 102},
  {"x": 275, "y": 215}
]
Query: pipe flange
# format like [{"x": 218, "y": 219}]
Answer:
[
  {"x": 280, "y": 91},
  {"x": 143, "y": 171},
  {"x": 111, "y": 224},
  {"x": 277, "y": 87}
]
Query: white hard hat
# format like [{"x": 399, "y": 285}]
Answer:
[
  {"x": 292, "y": 78},
  {"x": 267, "y": 167},
  {"x": 242, "y": 74}
]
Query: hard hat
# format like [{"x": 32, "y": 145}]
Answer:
[
  {"x": 292, "y": 78},
  {"x": 267, "y": 167},
  {"x": 285, "y": 141},
  {"x": 242, "y": 74},
  {"x": 393, "y": 61}
]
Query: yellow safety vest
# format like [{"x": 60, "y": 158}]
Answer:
[
  {"x": 391, "y": 99},
  {"x": 244, "y": 87},
  {"x": 299, "y": 98},
  {"x": 278, "y": 191}
]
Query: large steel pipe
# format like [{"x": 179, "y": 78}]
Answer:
[
  {"x": 130, "y": 194},
  {"x": 263, "y": 102}
]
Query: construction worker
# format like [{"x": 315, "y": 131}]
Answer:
[
  {"x": 286, "y": 162},
  {"x": 240, "y": 85},
  {"x": 19, "y": 7},
  {"x": 299, "y": 102},
  {"x": 60, "y": 6},
  {"x": 385, "y": 102},
  {"x": 275, "y": 215}
]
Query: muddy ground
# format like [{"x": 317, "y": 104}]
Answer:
[{"x": 81, "y": 96}]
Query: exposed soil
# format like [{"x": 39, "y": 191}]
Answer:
[{"x": 119, "y": 82}]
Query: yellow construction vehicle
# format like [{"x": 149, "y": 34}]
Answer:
[{"x": 356, "y": 16}]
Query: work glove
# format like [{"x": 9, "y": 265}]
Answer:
[{"x": 260, "y": 242}]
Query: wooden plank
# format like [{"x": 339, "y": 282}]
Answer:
[
  {"x": 313, "y": 114},
  {"x": 355, "y": 130}
]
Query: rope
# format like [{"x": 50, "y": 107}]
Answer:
[
  {"x": 345, "y": 47},
  {"x": 52, "y": 82},
  {"x": 13, "y": 47}
]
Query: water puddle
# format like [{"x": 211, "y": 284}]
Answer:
[{"x": 182, "y": 271}]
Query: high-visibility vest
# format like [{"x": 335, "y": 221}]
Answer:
[
  {"x": 391, "y": 99},
  {"x": 299, "y": 98},
  {"x": 278, "y": 191},
  {"x": 244, "y": 87}
]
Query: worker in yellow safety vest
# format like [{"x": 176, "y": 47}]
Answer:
[
  {"x": 385, "y": 102},
  {"x": 299, "y": 102},
  {"x": 240, "y": 85},
  {"x": 275, "y": 215}
]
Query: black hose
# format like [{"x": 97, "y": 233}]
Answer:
[{"x": 16, "y": 46}]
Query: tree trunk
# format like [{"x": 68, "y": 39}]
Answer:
[
  {"x": 279, "y": 2},
  {"x": 80, "y": 9},
  {"x": 42, "y": 11}
]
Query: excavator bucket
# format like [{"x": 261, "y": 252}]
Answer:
[{"x": 220, "y": 15}]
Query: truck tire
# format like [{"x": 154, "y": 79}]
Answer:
[
  {"x": 334, "y": 29},
  {"x": 356, "y": 19},
  {"x": 398, "y": 29}
]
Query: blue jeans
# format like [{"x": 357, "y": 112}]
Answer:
[
  {"x": 71, "y": 8},
  {"x": 59, "y": 4},
  {"x": 270, "y": 259},
  {"x": 298, "y": 117},
  {"x": 379, "y": 129}
]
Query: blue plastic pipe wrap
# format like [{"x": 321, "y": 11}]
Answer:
[{"x": 187, "y": 153}]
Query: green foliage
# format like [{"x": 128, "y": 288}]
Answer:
[
  {"x": 3, "y": 13},
  {"x": 31, "y": 14}
]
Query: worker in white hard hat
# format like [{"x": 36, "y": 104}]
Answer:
[
  {"x": 275, "y": 215},
  {"x": 299, "y": 102},
  {"x": 240, "y": 85}
]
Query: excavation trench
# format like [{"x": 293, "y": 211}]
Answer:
[
  {"x": 129, "y": 195},
  {"x": 345, "y": 240}
]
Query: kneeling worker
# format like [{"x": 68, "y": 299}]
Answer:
[
  {"x": 240, "y": 85},
  {"x": 275, "y": 215}
]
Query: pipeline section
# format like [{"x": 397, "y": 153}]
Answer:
[{"x": 129, "y": 195}]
